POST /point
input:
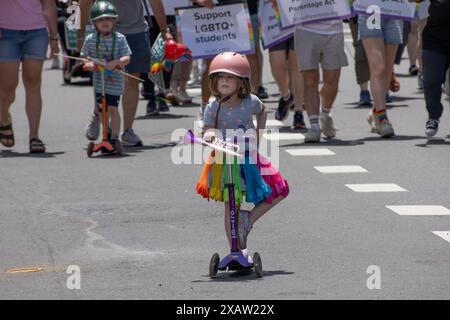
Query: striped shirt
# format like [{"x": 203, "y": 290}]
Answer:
[{"x": 100, "y": 48}]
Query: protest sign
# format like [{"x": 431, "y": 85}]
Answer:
[
  {"x": 270, "y": 25},
  {"x": 295, "y": 12},
  {"x": 208, "y": 32}
]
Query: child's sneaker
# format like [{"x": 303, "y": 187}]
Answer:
[
  {"x": 245, "y": 226},
  {"x": 247, "y": 255},
  {"x": 92, "y": 129}
]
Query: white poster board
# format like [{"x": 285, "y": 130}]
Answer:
[
  {"x": 295, "y": 12},
  {"x": 208, "y": 32},
  {"x": 422, "y": 10}
]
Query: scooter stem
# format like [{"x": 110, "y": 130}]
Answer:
[
  {"x": 104, "y": 108},
  {"x": 233, "y": 220}
]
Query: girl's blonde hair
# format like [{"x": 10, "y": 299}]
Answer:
[{"x": 243, "y": 88}]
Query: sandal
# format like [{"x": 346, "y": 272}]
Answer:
[
  {"x": 395, "y": 84},
  {"x": 9, "y": 137},
  {"x": 37, "y": 146}
]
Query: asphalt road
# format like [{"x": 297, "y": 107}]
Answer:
[{"x": 136, "y": 229}]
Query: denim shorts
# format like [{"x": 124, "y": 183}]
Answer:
[
  {"x": 140, "y": 52},
  {"x": 17, "y": 45},
  {"x": 391, "y": 30}
]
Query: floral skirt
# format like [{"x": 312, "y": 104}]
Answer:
[{"x": 255, "y": 179}]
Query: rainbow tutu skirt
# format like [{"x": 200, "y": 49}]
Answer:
[{"x": 254, "y": 178}]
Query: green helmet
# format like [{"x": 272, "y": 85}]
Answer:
[{"x": 103, "y": 9}]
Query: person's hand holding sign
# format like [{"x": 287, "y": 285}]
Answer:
[{"x": 206, "y": 3}]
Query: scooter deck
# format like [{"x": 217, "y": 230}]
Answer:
[{"x": 234, "y": 261}]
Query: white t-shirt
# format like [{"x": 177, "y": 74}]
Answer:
[{"x": 324, "y": 27}]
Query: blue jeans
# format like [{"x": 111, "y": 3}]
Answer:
[{"x": 435, "y": 65}]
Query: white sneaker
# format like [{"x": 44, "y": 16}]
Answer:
[
  {"x": 432, "y": 127},
  {"x": 384, "y": 128},
  {"x": 55, "y": 63},
  {"x": 447, "y": 83},
  {"x": 327, "y": 125},
  {"x": 420, "y": 80},
  {"x": 247, "y": 255},
  {"x": 92, "y": 129},
  {"x": 131, "y": 139},
  {"x": 313, "y": 134},
  {"x": 182, "y": 96}
]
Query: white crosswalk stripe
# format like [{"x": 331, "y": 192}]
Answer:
[
  {"x": 420, "y": 210},
  {"x": 283, "y": 136},
  {"x": 340, "y": 169},
  {"x": 310, "y": 152},
  {"x": 443, "y": 234},
  {"x": 375, "y": 187}
]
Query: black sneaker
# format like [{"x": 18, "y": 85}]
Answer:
[
  {"x": 432, "y": 127},
  {"x": 161, "y": 100},
  {"x": 262, "y": 93},
  {"x": 152, "y": 108},
  {"x": 283, "y": 108},
  {"x": 299, "y": 122},
  {"x": 413, "y": 70}
]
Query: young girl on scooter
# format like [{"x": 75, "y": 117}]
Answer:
[{"x": 255, "y": 180}]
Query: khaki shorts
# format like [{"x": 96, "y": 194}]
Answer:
[{"x": 313, "y": 49}]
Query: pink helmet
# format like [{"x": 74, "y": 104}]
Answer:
[{"x": 231, "y": 62}]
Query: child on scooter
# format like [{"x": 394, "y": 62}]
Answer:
[
  {"x": 256, "y": 180},
  {"x": 111, "y": 49}
]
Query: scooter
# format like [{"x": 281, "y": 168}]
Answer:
[
  {"x": 235, "y": 260},
  {"x": 105, "y": 146}
]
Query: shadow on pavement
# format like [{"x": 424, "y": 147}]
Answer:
[
  {"x": 163, "y": 116},
  {"x": 240, "y": 276},
  {"x": 153, "y": 146},
  {"x": 12, "y": 154},
  {"x": 289, "y": 129},
  {"x": 389, "y": 106},
  {"x": 434, "y": 142},
  {"x": 394, "y": 138},
  {"x": 326, "y": 142},
  {"x": 81, "y": 83},
  {"x": 187, "y": 105}
]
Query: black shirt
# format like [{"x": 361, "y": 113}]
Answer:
[{"x": 436, "y": 35}]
